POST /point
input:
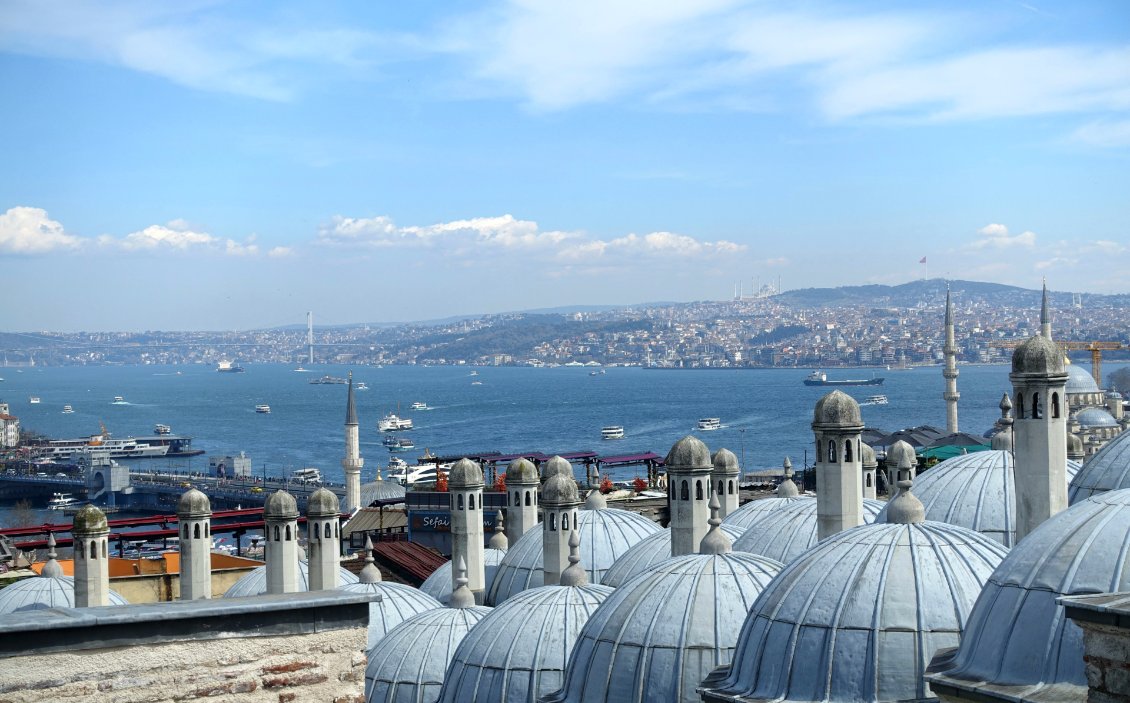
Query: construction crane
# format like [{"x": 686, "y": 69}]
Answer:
[{"x": 1095, "y": 347}]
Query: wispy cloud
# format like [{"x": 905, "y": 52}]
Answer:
[
  {"x": 1103, "y": 133},
  {"x": 996, "y": 236},
  {"x": 29, "y": 230}
]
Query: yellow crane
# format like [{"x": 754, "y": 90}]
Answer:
[{"x": 1095, "y": 347}]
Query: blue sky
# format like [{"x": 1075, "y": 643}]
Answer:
[{"x": 214, "y": 165}]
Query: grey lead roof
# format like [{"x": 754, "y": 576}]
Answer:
[
  {"x": 255, "y": 582},
  {"x": 788, "y": 532},
  {"x": 1107, "y": 470},
  {"x": 438, "y": 585},
  {"x": 1089, "y": 418},
  {"x": 44, "y": 592},
  {"x": 648, "y": 552},
  {"x": 398, "y": 602},
  {"x": 752, "y": 511}
]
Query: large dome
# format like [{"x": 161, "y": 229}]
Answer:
[
  {"x": 648, "y": 552},
  {"x": 1107, "y": 470},
  {"x": 383, "y": 491},
  {"x": 1017, "y": 638},
  {"x": 659, "y": 634},
  {"x": 752, "y": 511},
  {"x": 1079, "y": 381},
  {"x": 438, "y": 585},
  {"x": 255, "y": 582},
  {"x": 1095, "y": 418},
  {"x": 40, "y": 592},
  {"x": 606, "y": 535},
  {"x": 520, "y": 649},
  {"x": 858, "y": 617},
  {"x": 398, "y": 603},
  {"x": 788, "y": 532},
  {"x": 976, "y": 491}
]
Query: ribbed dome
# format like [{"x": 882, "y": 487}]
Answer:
[
  {"x": 1079, "y": 381},
  {"x": 381, "y": 491},
  {"x": 1107, "y": 470},
  {"x": 648, "y": 552},
  {"x": 280, "y": 506},
  {"x": 438, "y": 585},
  {"x": 255, "y": 582},
  {"x": 557, "y": 465},
  {"x": 725, "y": 462},
  {"x": 322, "y": 503},
  {"x": 465, "y": 474},
  {"x": 559, "y": 489},
  {"x": 752, "y": 511},
  {"x": 1017, "y": 636},
  {"x": 522, "y": 471},
  {"x": 520, "y": 650},
  {"x": 859, "y": 616},
  {"x": 1095, "y": 418},
  {"x": 976, "y": 491},
  {"x": 605, "y": 535},
  {"x": 688, "y": 453},
  {"x": 1037, "y": 355},
  {"x": 787, "y": 533},
  {"x": 409, "y": 663},
  {"x": 837, "y": 409},
  {"x": 90, "y": 519},
  {"x": 40, "y": 592},
  {"x": 398, "y": 603},
  {"x": 193, "y": 504},
  {"x": 661, "y": 633}
]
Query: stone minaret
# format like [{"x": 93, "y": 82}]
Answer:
[
  {"x": 949, "y": 373},
  {"x": 92, "y": 566},
  {"x": 688, "y": 494},
  {"x": 870, "y": 471},
  {"x": 561, "y": 504},
  {"x": 836, "y": 424},
  {"x": 280, "y": 519},
  {"x": 323, "y": 538},
  {"x": 522, "y": 483},
  {"x": 194, "y": 513},
  {"x": 352, "y": 462},
  {"x": 1039, "y": 440},
  {"x": 725, "y": 477},
  {"x": 1045, "y": 315},
  {"x": 465, "y": 483}
]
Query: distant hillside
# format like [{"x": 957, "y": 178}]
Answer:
[{"x": 932, "y": 290}]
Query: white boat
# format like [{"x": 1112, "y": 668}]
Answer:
[
  {"x": 263, "y": 408},
  {"x": 396, "y": 464},
  {"x": 60, "y": 501},
  {"x": 876, "y": 400},
  {"x": 476, "y": 383},
  {"x": 421, "y": 473},
  {"x": 162, "y": 429},
  {"x": 119, "y": 400},
  {"x": 307, "y": 475},
  {"x": 612, "y": 432},
  {"x": 300, "y": 370},
  {"x": 99, "y": 444},
  {"x": 34, "y": 400},
  {"x": 226, "y": 366},
  {"x": 67, "y": 410},
  {"x": 394, "y": 423},
  {"x": 707, "y": 424},
  {"x": 360, "y": 386},
  {"x": 420, "y": 406}
]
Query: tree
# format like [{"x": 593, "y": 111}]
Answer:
[
  {"x": 500, "y": 483},
  {"x": 606, "y": 484},
  {"x": 639, "y": 484},
  {"x": 1119, "y": 380}
]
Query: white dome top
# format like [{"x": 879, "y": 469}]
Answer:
[
  {"x": 606, "y": 535},
  {"x": 661, "y": 633},
  {"x": 858, "y": 617},
  {"x": 255, "y": 582},
  {"x": 40, "y": 592},
  {"x": 398, "y": 603},
  {"x": 788, "y": 532},
  {"x": 752, "y": 511},
  {"x": 976, "y": 491},
  {"x": 438, "y": 585},
  {"x": 648, "y": 552},
  {"x": 410, "y": 662},
  {"x": 1017, "y": 635},
  {"x": 1107, "y": 470},
  {"x": 520, "y": 650}
]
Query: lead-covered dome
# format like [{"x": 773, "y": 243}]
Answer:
[
  {"x": 255, "y": 582},
  {"x": 559, "y": 489},
  {"x": 605, "y": 535},
  {"x": 280, "y": 505},
  {"x": 648, "y": 552},
  {"x": 725, "y": 462},
  {"x": 381, "y": 491},
  {"x": 1095, "y": 418},
  {"x": 323, "y": 503},
  {"x": 752, "y": 511},
  {"x": 786, "y": 533},
  {"x": 688, "y": 452},
  {"x": 439, "y": 586},
  {"x": 976, "y": 491},
  {"x": 40, "y": 592},
  {"x": 858, "y": 617},
  {"x": 1079, "y": 381},
  {"x": 90, "y": 519},
  {"x": 193, "y": 504},
  {"x": 398, "y": 602},
  {"x": 1037, "y": 355},
  {"x": 1018, "y": 640},
  {"x": 1107, "y": 470},
  {"x": 465, "y": 474},
  {"x": 837, "y": 409},
  {"x": 522, "y": 471}
]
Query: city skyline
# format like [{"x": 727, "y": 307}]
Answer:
[{"x": 221, "y": 166}]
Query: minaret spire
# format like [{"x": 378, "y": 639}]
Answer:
[
  {"x": 352, "y": 462},
  {"x": 1045, "y": 314},
  {"x": 949, "y": 373}
]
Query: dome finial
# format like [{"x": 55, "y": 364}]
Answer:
[
  {"x": 462, "y": 597},
  {"x": 51, "y": 569},
  {"x": 369, "y": 573},
  {"x": 905, "y": 508},
  {"x": 574, "y": 574},
  {"x": 788, "y": 489},
  {"x": 595, "y": 500},
  {"x": 715, "y": 541},
  {"x": 1003, "y": 437},
  {"x": 498, "y": 540}
]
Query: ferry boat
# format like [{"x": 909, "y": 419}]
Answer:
[
  {"x": 328, "y": 380},
  {"x": 476, "y": 383},
  {"x": 875, "y": 400},
  {"x": 612, "y": 432},
  {"x": 67, "y": 410},
  {"x": 263, "y": 408},
  {"x": 421, "y": 473},
  {"x": 708, "y": 424},
  {"x": 118, "y": 400},
  {"x": 420, "y": 406},
  {"x": 819, "y": 378},
  {"x": 34, "y": 400},
  {"x": 300, "y": 370},
  {"x": 61, "y": 501},
  {"x": 226, "y": 366},
  {"x": 394, "y": 423},
  {"x": 68, "y": 450},
  {"x": 162, "y": 429},
  {"x": 360, "y": 386},
  {"x": 400, "y": 445},
  {"x": 306, "y": 475}
]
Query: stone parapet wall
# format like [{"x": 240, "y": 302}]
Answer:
[{"x": 1105, "y": 620}]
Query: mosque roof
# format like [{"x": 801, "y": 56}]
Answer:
[
  {"x": 752, "y": 511},
  {"x": 1037, "y": 355},
  {"x": 606, "y": 535},
  {"x": 837, "y": 408},
  {"x": 559, "y": 489},
  {"x": 1079, "y": 381},
  {"x": 725, "y": 462},
  {"x": 1107, "y": 470},
  {"x": 786, "y": 533},
  {"x": 193, "y": 503},
  {"x": 381, "y": 491},
  {"x": 280, "y": 506},
  {"x": 398, "y": 603},
  {"x": 522, "y": 470},
  {"x": 40, "y": 592},
  {"x": 648, "y": 552},
  {"x": 1017, "y": 637},
  {"x": 323, "y": 503},
  {"x": 90, "y": 519},
  {"x": 519, "y": 651},
  {"x": 976, "y": 491},
  {"x": 1092, "y": 418},
  {"x": 689, "y": 452},
  {"x": 859, "y": 615},
  {"x": 465, "y": 474},
  {"x": 255, "y": 582},
  {"x": 438, "y": 585}
]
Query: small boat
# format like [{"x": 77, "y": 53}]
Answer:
[
  {"x": 328, "y": 380},
  {"x": 612, "y": 432},
  {"x": 119, "y": 400},
  {"x": 394, "y": 423},
  {"x": 226, "y": 366},
  {"x": 420, "y": 406},
  {"x": 474, "y": 373},
  {"x": 67, "y": 410},
  {"x": 819, "y": 378},
  {"x": 476, "y": 383},
  {"x": 300, "y": 370},
  {"x": 708, "y": 424},
  {"x": 876, "y": 400},
  {"x": 34, "y": 400},
  {"x": 61, "y": 501},
  {"x": 160, "y": 429},
  {"x": 395, "y": 463},
  {"x": 361, "y": 386},
  {"x": 307, "y": 475},
  {"x": 400, "y": 445},
  {"x": 263, "y": 408}
]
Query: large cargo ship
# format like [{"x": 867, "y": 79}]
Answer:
[
  {"x": 819, "y": 378},
  {"x": 226, "y": 366}
]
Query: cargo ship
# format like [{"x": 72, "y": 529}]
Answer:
[
  {"x": 819, "y": 378},
  {"x": 228, "y": 367}
]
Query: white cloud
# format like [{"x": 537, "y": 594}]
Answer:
[
  {"x": 1103, "y": 133},
  {"x": 280, "y": 252},
  {"x": 28, "y": 230},
  {"x": 178, "y": 235},
  {"x": 996, "y": 236}
]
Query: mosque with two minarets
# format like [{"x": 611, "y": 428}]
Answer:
[{"x": 993, "y": 576}]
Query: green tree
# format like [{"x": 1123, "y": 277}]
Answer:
[{"x": 1119, "y": 380}]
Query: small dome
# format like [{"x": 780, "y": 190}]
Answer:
[
  {"x": 657, "y": 636},
  {"x": 898, "y": 451},
  {"x": 1079, "y": 381},
  {"x": 1113, "y": 395},
  {"x": 1095, "y": 418},
  {"x": 398, "y": 603},
  {"x": 648, "y": 552},
  {"x": 858, "y": 617},
  {"x": 40, "y": 592},
  {"x": 382, "y": 491},
  {"x": 322, "y": 503},
  {"x": 867, "y": 456},
  {"x": 465, "y": 474},
  {"x": 438, "y": 585},
  {"x": 89, "y": 520},
  {"x": 1074, "y": 447},
  {"x": 193, "y": 504},
  {"x": 786, "y": 533},
  {"x": 559, "y": 489},
  {"x": 557, "y": 465},
  {"x": 976, "y": 491},
  {"x": 409, "y": 663},
  {"x": 688, "y": 453},
  {"x": 837, "y": 409},
  {"x": 606, "y": 535},
  {"x": 595, "y": 500},
  {"x": 255, "y": 582},
  {"x": 725, "y": 462},
  {"x": 1037, "y": 355},
  {"x": 1017, "y": 636},
  {"x": 1107, "y": 470},
  {"x": 280, "y": 506},
  {"x": 523, "y": 471},
  {"x": 519, "y": 651}
]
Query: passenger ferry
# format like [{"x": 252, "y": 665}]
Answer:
[
  {"x": 612, "y": 432},
  {"x": 67, "y": 410},
  {"x": 263, "y": 408},
  {"x": 306, "y": 475},
  {"x": 394, "y": 423},
  {"x": 400, "y": 445},
  {"x": 876, "y": 400},
  {"x": 707, "y": 424},
  {"x": 360, "y": 385},
  {"x": 68, "y": 450},
  {"x": 421, "y": 473},
  {"x": 160, "y": 429},
  {"x": 61, "y": 501},
  {"x": 420, "y": 406},
  {"x": 328, "y": 380},
  {"x": 34, "y": 400},
  {"x": 118, "y": 400}
]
